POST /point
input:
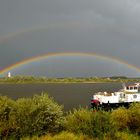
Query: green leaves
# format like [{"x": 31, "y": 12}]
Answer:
[
  {"x": 93, "y": 124},
  {"x": 41, "y": 115},
  {"x": 28, "y": 116},
  {"x": 127, "y": 119}
]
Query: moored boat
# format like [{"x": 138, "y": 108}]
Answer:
[{"x": 124, "y": 97}]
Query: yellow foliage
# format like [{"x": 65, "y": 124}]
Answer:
[
  {"x": 61, "y": 136},
  {"x": 120, "y": 117}
]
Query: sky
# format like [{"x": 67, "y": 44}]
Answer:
[{"x": 30, "y": 28}]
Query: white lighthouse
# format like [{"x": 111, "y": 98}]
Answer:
[{"x": 9, "y": 75}]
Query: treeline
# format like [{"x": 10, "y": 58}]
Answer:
[
  {"x": 41, "y": 118},
  {"x": 32, "y": 79}
]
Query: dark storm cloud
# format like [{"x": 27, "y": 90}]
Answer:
[
  {"x": 111, "y": 27},
  {"x": 101, "y": 13}
]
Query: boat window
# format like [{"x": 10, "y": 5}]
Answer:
[
  {"x": 131, "y": 88},
  {"x": 134, "y": 96},
  {"x": 122, "y": 95},
  {"x": 127, "y": 88},
  {"x": 135, "y": 88}
]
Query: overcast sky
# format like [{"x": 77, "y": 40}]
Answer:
[{"x": 32, "y": 27}]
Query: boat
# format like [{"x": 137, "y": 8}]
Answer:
[{"x": 130, "y": 93}]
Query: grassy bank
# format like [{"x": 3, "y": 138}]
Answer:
[
  {"x": 40, "y": 117},
  {"x": 31, "y": 79}
]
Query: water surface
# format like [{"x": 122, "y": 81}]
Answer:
[{"x": 69, "y": 95}]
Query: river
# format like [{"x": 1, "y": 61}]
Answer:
[{"x": 69, "y": 95}]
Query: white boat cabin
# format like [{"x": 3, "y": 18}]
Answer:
[
  {"x": 129, "y": 93},
  {"x": 131, "y": 88}
]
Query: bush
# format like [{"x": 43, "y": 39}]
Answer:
[
  {"x": 38, "y": 115},
  {"x": 61, "y": 136},
  {"x": 134, "y": 118},
  {"x": 71, "y": 136},
  {"x": 120, "y": 118},
  {"x": 79, "y": 121},
  {"x": 24, "y": 116},
  {"x": 126, "y": 136},
  {"x": 94, "y": 124},
  {"x": 102, "y": 125},
  {"x": 7, "y": 122},
  {"x": 127, "y": 119},
  {"x": 48, "y": 115}
]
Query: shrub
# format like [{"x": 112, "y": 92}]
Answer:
[
  {"x": 134, "y": 118},
  {"x": 127, "y": 119},
  {"x": 48, "y": 115},
  {"x": 23, "y": 116},
  {"x": 126, "y": 136},
  {"x": 120, "y": 118},
  {"x": 28, "y": 116},
  {"x": 61, "y": 136},
  {"x": 102, "y": 125},
  {"x": 94, "y": 124},
  {"x": 79, "y": 121},
  {"x": 7, "y": 122}
]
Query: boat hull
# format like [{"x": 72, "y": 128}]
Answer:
[{"x": 108, "y": 106}]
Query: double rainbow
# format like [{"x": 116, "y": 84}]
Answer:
[{"x": 45, "y": 56}]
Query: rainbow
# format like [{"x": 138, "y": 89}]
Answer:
[
  {"x": 66, "y": 25},
  {"x": 45, "y": 56}
]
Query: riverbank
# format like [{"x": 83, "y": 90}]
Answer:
[{"x": 41, "y": 80}]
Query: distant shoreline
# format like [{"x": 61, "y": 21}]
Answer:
[{"x": 69, "y": 80}]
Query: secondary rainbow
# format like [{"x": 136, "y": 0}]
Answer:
[
  {"x": 45, "y": 56},
  {"x": 67, "y": 25}
]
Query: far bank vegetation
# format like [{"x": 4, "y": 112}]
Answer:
[{"x": 33, "y": 79}]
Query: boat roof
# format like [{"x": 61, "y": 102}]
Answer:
[{"x": 131, "y": 84}]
